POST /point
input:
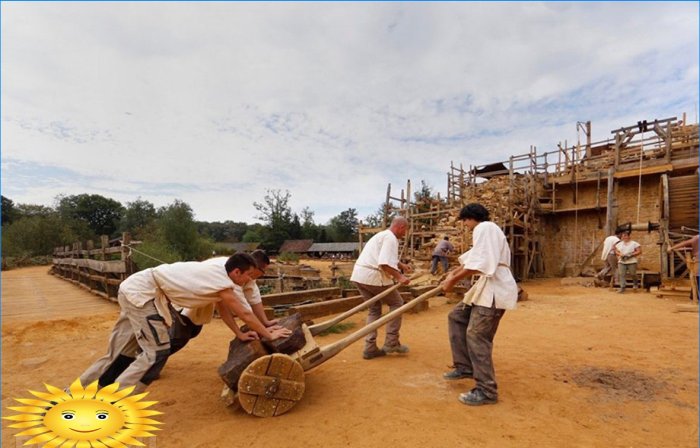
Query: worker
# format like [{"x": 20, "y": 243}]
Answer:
[
  {"x": 627, "y": 252},
  {"x": 147, "y": 299},
  {"x": 375, "y": 271},
  {"x": 442, "y": 249},
  {"x": 472, "y": 324}
]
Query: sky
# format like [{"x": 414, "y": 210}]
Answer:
[{"x": 217, "y": 103}]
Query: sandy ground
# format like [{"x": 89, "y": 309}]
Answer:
[{"x": 576, "y": 366}]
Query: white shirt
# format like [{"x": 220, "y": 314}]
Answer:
[
  {"x": 187, "y": 284},
  {"x": 247, "y": 295},
  {"x": 625, "y": 249},
  {"x": 381, "y": 249},
  {"x": 490, "y": 255},
  {"x": 609, "y": 246}
]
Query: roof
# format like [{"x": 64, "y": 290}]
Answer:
[
  {"x": 295, "y": 246},
  {"x": 493, "y": 169},
  {"x": 334, "y": 247}
]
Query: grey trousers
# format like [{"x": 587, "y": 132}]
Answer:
[
  {"x": 394, "y": 301},
  {"x": 471, "y": 330},
  {"x": 625, "y": 269},
  {"x": 434, "y": 264},
  {"x": 610, "y": 267},
  {"x": 146, "y": 327}
]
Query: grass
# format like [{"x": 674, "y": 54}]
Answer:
[{"x": 338, "y": 328}]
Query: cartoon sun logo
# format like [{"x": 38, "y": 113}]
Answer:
[{"x": 85, "y": 417}]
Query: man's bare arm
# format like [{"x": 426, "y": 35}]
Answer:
[{"x": 247, "y": 316}]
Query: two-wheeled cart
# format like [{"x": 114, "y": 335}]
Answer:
[{"x": 270, "y": 384}]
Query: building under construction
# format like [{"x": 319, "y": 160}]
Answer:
[{"x": 557, "y": 207}]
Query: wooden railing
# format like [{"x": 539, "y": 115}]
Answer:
[{"x": 99, "y": 270}]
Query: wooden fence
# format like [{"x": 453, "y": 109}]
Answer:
[{"x": 99, "y": 270}]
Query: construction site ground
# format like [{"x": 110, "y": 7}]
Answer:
[{"x": 576, "y": 366}]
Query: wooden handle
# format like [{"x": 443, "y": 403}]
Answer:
[{"x": 331, "y": 350}]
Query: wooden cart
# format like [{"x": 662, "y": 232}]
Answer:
[{"x": 267, "y": 378}]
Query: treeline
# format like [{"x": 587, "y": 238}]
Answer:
[{"x": 168, "y": 233}]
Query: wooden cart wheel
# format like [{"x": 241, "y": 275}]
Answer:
[{"x": 271, "y": 385}]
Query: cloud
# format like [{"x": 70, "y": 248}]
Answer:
[{"x": 213, "y": 103}]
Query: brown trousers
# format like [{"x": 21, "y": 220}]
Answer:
[
  {"x": 471, "y": 330},
  {"x": 394, "y": 301}
]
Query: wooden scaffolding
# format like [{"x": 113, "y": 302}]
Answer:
[{"x": 528, "y": 188}]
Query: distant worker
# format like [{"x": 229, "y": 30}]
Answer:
[
  {"x": 147, "y": 299},
  {"x": 472, "y": 324},
  {"x": 442, "y": 249},
  {"x": 627, "y": 252},
  {"x": 691, "y": 262},
  {"x": 609, "y": 257},
  {"x": 375, "y": 270}
]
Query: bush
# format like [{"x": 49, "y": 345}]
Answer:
[
  {"x": 156, "y": 252},
  {"x": 35, "y": 236},
  {"x": 19, "y": 262},
  {"x": 345, "y": 283}
]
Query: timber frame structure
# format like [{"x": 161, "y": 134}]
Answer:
[{"x": 556, "y": 207}]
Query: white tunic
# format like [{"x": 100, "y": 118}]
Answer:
[
  {"x": 627, "y": 249},
  {"x": 609, "y": 246},
  {"x": 249, "y": 291},
  {"x": 189, "y": 284},
  {"x": 490, "y": 255},
  {"x": 381, "y": 249}
]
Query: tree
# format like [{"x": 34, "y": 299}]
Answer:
[
  {"x": 100, "y": 213},
  {"x": 35, "y": 235},
  {"x": 277, "y": 214},
  {"x": 377, "y": 219},
  {"x": 178, "y": 231},
  {"x": 309, "y": 229},
  {"x": 8, "y": 210},
  {"x": 343, "y": 227},
  {"x": 227, "y": 231},
  {"x": 423, "y": 197},
  {"x": 256, "y": 233},
  {"x": 138, "y": 215}
]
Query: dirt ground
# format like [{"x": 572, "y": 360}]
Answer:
[{"x": 576, "y": 367}]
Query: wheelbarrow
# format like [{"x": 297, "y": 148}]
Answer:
[{"x": 267, "y": 385}]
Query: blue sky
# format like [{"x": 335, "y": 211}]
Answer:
[{"x": 213, "y": 103}]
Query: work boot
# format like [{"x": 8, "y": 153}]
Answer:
[
  {"x": 476, "y": 397},
  {"x": 456, "y": 375},
  {"x": 371, "y": 354},
  {"x": 398, "y": 348}
]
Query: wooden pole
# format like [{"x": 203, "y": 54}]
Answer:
[{"x": 610, "y": 198}]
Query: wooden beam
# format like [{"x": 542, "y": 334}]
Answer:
[
  {"x": 288, "y": 298},
  {"x": 326, "y": 307},
  {"x": 666, "y": 168}
]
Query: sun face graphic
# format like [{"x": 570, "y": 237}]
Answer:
[{"x": 85, "y": 417}]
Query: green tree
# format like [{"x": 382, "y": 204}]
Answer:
[
  {"x": 227, "y": 231},
  {"x": 178, "y": 231},
  {"x": 100, "y": 213},
  {"x": 138, "y": 217},
  {"x": 343, "y": 227},
  {"x": 377, "y": 218},
  {"x": 8, "y": 210},
  {"x": 277, "y": 214},
  {"x": 27, "y": 210},
  {"x": 309, "y": 229},
  {"x": 256, "y": 233},
  {"x": 36, "y": 235}
]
